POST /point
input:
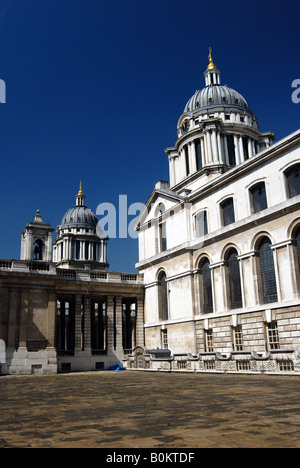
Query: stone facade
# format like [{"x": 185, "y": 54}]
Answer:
[
  {"x": 70, "y": 314},
  {"x": 220, "y": 246},
  {"x": 33, "y": 338}
]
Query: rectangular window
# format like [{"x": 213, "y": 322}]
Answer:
[
  {"x": 258, "y": 198},
  {"x": 243, "y": 365},
  {"x": 273, "y": 336},
  {"x": 286, "y": 366},
  {"x": 293, "y": 181},
  {"x": 198, "y": 154},
  {"x": 238, "y": 344},
  {"x": 209, "y": 341},
  {"x": 164, "y": 339},
  {"x": 210, "y": 365},
  {"x": 163, "y": 236},
  {"x": 227, "y": 211},
  {"x": 201, "y": 224}
]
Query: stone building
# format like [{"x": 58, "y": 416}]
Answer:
[
  {"x": 69, "y": 314},
  {"x": 219, "y": 245}
]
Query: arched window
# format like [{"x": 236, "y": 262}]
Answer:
[
  {"x": 38, "y": 250},
  {"x": 163, "y": 297},
  {"x": 296, "y": 241},
  {"x": 293, "y": 180},
  {"x": 267, "y": 271},
  {"x": 206, "y": 296},
  {"x": 234, "y": 280},
  {"x": 258, "y": 197},
  {"x": 162, "y": 229}
]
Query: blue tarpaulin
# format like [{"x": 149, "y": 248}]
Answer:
[{"x": 117, "y": 367}]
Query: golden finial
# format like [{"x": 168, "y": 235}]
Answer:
[
  {"x": 211, "y": 63},
  {"x": 80, "y": 189}
]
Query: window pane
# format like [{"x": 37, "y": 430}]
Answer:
[
  {"x": 293, "y": 181},
  {"x": 207, "y": 299},
  {"x": 201, "y": 224},
  {"x": 163, "y": 297},
  {"x": 228, "y": 212},
  {"x": 259, "y": 199},
  {"x": 297, "y": 239},
  {"x": 198, "y": 154},
  {"x": 235, "y": 291},
  {"x": 267, "y": 272}
]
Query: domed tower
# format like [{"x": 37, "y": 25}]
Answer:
[
  {"x": 216, "y": 131},
  {"x": 79, "y": 243}
]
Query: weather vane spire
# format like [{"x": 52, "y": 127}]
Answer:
[
  {"x": 211, "y": 63},
  {"x": 80, "y": 189}
]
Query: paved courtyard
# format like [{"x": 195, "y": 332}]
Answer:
[{"x": 149, "y": 410}]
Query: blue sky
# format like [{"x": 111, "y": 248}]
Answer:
[{"x": 95, "y": 90}]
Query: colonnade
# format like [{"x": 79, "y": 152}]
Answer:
[
  {"x": 75, "y": 249},
  {"x": 216, "y": 149}
]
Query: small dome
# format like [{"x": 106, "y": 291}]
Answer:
[
  {"x": 216, "y": 96},
  {"x": 80, "y": 216}
]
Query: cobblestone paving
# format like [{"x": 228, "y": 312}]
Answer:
[{"x": 147, "y": 410}]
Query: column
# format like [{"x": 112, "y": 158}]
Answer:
[
  {"x": 105, "y": 250},
  {"x": 110, "y": 311},
  {"x": 51, "y": 319},
  {"x": 203, "y": 151},
  {"x": 192, "y": 157},
  {"x": 250, "y": 148},
  {"x": 119, "y": 324},
  {"x": 237, "y": 150},
  {"x": 220, "y": 149},
  {"x": 215, "y": 146},
  {"x": 242, "y": 155},
  {"x": 12, "y": 318},
  {"x": 87, "y": 323},
  {"x": 140, "y": 340},
  {"x": 24, "y": 309},
  {"x": 209, "y": 148},
  {"x": 79, "y": 338},
  {"x": 226, "y": 150},
  {"x": 172, "y": 171}
]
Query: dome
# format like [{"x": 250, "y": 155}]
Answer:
[
  {"x": 79, "y": 216},
  {"x": 216, "y": 96}
]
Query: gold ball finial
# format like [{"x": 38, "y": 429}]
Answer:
[{"x": 211, "y": 64}]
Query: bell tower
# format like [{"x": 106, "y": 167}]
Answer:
[{"x": 37, "y": 238}]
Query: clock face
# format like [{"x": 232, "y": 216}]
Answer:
[{"x": 186, "y": 125}]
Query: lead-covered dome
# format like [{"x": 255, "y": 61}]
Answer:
[
  {"x": 216, "y": 96},
  {"x": 80, "y": 216}
]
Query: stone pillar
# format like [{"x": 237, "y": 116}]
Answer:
[
  {"x": 12, "y": 318},
  {"x": 24, "y": 309},
  {"x": 87, "y": 323},
  {"x": 79, "y": 341},
  {"x": 110, "y": 308},
  {"x": 192, "y": 157},
  {"x": 51, "y": 319},
  {"x": 209, "y": 147},
  {"x": 215, "y": 147},
  {"x": 140, "y": 341},
  {"x": 119, "y": 324},
  {"x": 237, "y": 150}
]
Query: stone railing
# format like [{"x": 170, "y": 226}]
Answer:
[{"x": 49, "y": 268}]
